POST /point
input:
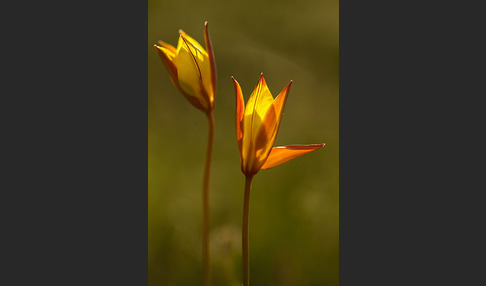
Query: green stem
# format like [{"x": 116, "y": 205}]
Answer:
[
  {"x": 205, "y": 200},
  {"x": 244, "y": 232}
]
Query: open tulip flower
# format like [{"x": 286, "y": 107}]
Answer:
[
  {"x": 257, "y": 126},
  {"x": 256, "y": 129},
  {"x": 191, "y": 68}
]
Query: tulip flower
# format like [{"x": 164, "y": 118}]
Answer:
[
  {"x": 192, "y": 70},
  {"x": 257, "y": 126},
  {"x": 256, "y": 129}
]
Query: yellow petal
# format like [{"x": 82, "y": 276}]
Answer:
[
  {"x": 240, "y": 108},
  {"x": 190, "y": 40},
  {"x": 271, "y": 122},
  {"x": 193, "y": 70},
  {"x": 282, "y": 154},
  {"x": 259, "y": 103}
]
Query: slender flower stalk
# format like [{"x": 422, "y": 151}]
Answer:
[
  {"x": 192, "y": 70},
  {"x": 256, "y": 130},
  {"x": 245, "y": 244},
  {"x": 205, "y": 201}
]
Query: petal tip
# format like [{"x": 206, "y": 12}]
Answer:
[{"x": 318, "y": 146}]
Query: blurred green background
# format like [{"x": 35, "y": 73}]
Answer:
[{"x": 294, "y": 208}]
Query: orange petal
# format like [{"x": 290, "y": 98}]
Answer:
[
  {"x": 167, "y": 58},
  {"x": 240, "y": 111},
  {"x": 282, "y": 154},
  {"x": 209, "y": 49},
  {"x": 168, "y": 46}
]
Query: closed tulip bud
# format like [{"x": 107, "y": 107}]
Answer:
[{"x": 191, "y": 68}]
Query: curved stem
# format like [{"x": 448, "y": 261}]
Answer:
[
  {"x": 205, "y": 200},
  {"x": 244, "y": 232}
]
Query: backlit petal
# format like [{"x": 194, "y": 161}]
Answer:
[
  {"x": 192, "y": 41},
  {"x": 164, "y": 54},
  {"x": 259, "y": 103},
  {"x": 282, "y": 154},
  {"x": 193, "y": 69},
  {"x": 240, "y": 109},
  {"x": 168, "y": 47},
  {"x": 212, "y": 62},
  {"x": 270, "y": 125},
  {"x": 167, "y": 56}
]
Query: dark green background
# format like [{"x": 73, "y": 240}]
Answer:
[{"x": 294, "y": 208}]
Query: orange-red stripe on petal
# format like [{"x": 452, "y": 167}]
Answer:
[
  {"x": 282, "y": 154},
  {"x": 209, "y": 50}
]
